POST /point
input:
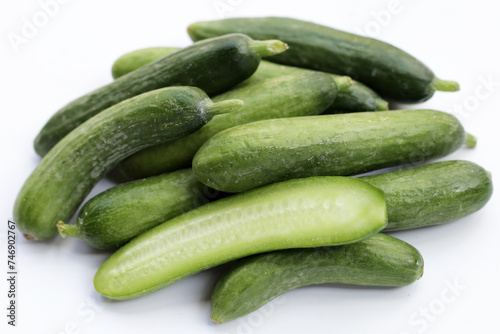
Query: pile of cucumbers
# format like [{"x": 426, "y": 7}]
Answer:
[{"x": 227, "y": 156}]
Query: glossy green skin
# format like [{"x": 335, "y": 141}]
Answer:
[
  {"x": 293, "y": 214},
  {"x": 299, "y": 94},
  {"x": 252, "y": 282},
  {"x": 139, "y": 58},
  {"x": 59, "y": 184},
  {"x": 433, "y": 194},
  {"x": 214, "y": 66},
  {"x": 112, "y": 218},
  {"x": 356, "y": 97},
  {"x": 260, "y": 153},
  {"x": 393, "y": 73}
]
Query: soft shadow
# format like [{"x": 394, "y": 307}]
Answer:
[{"x": 214, "y": 276}]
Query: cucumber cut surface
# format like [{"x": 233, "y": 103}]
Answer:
[{"x": 293, "y": 214}]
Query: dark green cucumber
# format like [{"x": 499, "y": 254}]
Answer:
[
  {"x": 115, "y": 216},
  {"x": 252, "y": 282},
  {"x": 433, "y": 194},
  {"x": 356, "y": 97},
  {"x": 214, "y": 65},
  {"x": 391, "y": 72},
  {"x": 299, "y": 94},
  {"x": 259, "y": 153},
  {"x": 299, "y": 213},
  {"x": 59, "y": 184},
  {"x": 133, "y": 60}
]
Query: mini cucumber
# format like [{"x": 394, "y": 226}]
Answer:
[
  {"x": 356, "y": 97},
  {"x": 139, "y": 58},
  {"x": 252, "y": 282},
  {"x": 215, "y": 66},
  {"x": 115, "y": 216},
  {"x": 390, "y": 71},
  {"x": 59, "y": 184},
  {"x": 298, "y": 94},
  {"x": 433, "y": 194},
  {"x": 260, "y": 153},
  {"x": 298, "y": 213}
]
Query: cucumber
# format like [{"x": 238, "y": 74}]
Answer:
[
  {"x": 433, "y": 194},
  {"x": 428, "y": 195},
  {"x": 214, "y": 66},
  {"x": 391, "y": 72},
  {"x": 293, "y": 214},
  {"x": 139, "y": 58},
  {"x": 115, "y": 216},
  {"x": 300, "y": 94},
  {"x": 252, "y": 282},
  {"x": 59, "y": 184},
  {"x": 259, "y": 153},
  {"x": 356, "y": 97}
]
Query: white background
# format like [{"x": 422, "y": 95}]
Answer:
[{"x": 72, "y": 53}]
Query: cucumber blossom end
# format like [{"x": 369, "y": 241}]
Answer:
[
  {"x": 381, "y": 105},
  {"x": 470, "y": 141}
]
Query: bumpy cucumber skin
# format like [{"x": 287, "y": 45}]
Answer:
[
  {"x": 299, "y": 94},
  {"x": 214, "y": 66},
  {"x": 252, "y": 282},
  {"x": 139, "y": 58},
  {"x": 259, "y": 153},
  {"x": 433, "y": 194},
  {"x": 354, "y": 98},
  {"x": 393, "y": 73},
  {"x": 357, "y": 98},
  {"x": 293, "y": 214},
  {"x": 59, "y": 184},
  {"x": 115, "y": 216}
]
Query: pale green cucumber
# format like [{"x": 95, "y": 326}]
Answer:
[{"x": 298, "y": 213}]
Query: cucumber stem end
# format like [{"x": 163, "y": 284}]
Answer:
[
  {"x": 268, "y": 48},
  {"x": 343, "y": 82},
  {"x": 66, "y": 230},
  {"x": 445, "y": 85},
  {"x": 223, "y": 107}
]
